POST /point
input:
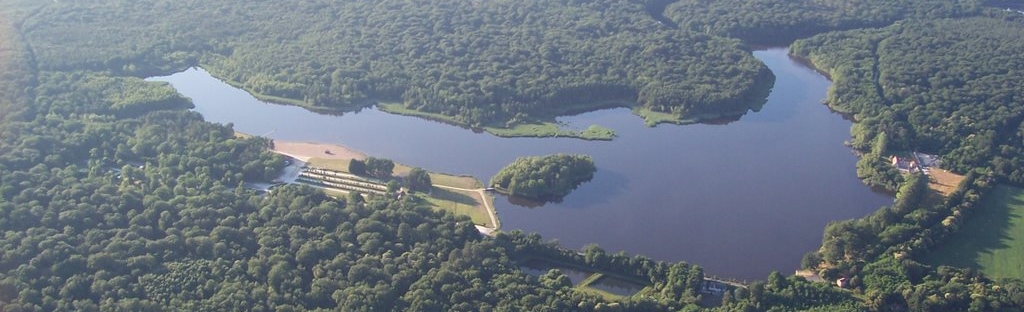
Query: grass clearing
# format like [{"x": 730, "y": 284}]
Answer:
[
  {"x": 466, "y": 182},
  {"x": 467, "y": 203},
  {"x": 460, "y": 203},
  {"x": 459, "y": 181},
  {"x": 550, "y": 129},
  {"x": 547, "y": 129},
  {"x": 584, "y": 287},
  {"x": 992, "y": 240},
  {"x": 598, "y": 132},
  {"x": 332, "y": 164},
  {"x": 943, "y": 181},
  {"x": 653, "y": 118}
]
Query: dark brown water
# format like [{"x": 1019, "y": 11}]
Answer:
[{"x": 740, "y": 199}]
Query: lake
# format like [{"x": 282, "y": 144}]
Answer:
[{"x": 739, "y": 199}]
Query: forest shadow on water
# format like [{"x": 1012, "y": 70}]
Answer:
[{"x": 605, "y": 185}]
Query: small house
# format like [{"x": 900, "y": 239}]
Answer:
[
  {"x": 843, "y": 282},
  {"x": 904, "y": 164}
]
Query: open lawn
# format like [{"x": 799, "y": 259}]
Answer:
[
  {"x": 457, "y": 202},
  {"x": 460, "y": 203},
  {"x": 466, "y": 182},
  {"x": 992, "y": 240}
]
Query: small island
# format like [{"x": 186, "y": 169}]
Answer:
[{"x": 547, "y": 178}]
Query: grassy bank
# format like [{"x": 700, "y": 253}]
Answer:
[
  {"x": 992, "y": 240},
  {"x": 653, "y": 118},
  {"x": 460, "y": 202},
  {"x": 550, "y": 129},
  {"x": 537, "y": 130}
]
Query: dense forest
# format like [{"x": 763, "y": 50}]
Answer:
[
  {"x": 485, "y": 63},
  {"x": 778, "y": 22},
  {"x": 146, "y": 212},
  {"x": 549, "y": 177},
  {"x": 939, "y": 86},
  {"x": 113, "y": 197},
  {"x": 943, "y": 86}
]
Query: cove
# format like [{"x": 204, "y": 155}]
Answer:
[{"x": 740, "y": 199}]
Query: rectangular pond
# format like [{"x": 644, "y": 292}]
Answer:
[
  {"x": 616, "y": 286},
  {"x": 538, "y": 267}
]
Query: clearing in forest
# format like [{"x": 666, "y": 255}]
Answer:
[{"x": 992, "y": 240}]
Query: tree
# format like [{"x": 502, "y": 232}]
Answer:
[
  {"x": 394, "y": 186},
  {"x": 355, "y": 198},
  {"x": 549, "y": 177},
  {"x": 379, "y": 167},
  {"x": 356, "y": 167},
  {"x": 418, "y": 180}
]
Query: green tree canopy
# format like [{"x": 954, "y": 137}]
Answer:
[
  {"x": 418, "y": 180},
  {"x": 545, "y": 178}
]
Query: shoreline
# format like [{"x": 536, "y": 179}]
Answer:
[{"x": 304, "y": 151}]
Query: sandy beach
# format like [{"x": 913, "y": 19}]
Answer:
[{"x": 304, "y": 151}]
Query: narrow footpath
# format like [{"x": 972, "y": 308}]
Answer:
[{"x": 490, "y": 210}]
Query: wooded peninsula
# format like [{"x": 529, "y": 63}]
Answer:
[
  {"x": 114, "y": 197},
  {"x": 549, "y": 177}
]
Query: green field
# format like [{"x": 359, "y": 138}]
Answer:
[
  {"x": 550, "y": 129},
  {"x": 468, "y": 203},
  {"x": 653, "y": 118},
  {"x": 460, "y": 203},
  {"x": 992, "y": 240}
]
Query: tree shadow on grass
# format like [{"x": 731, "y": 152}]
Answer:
[
  {"x": 453, "y": 196},
  {"x": 987, "y": 231}
]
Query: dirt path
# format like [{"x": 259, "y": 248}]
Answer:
[{"x": 490, "y": 210}]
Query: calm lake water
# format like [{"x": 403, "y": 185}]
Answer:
[{"x": 740, "y": 199}]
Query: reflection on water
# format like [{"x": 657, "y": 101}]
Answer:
[
  {"x": 525, "y": 202},
  {"x": 740, "y": 200}
]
